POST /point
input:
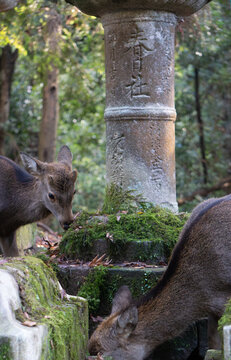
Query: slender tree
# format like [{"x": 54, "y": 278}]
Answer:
[
  {"x": 7, "y": 66},
  {"x": 50, "y": 115},
  {"x": 200, "y": 125}
]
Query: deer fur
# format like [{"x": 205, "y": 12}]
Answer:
[
  {"x": 197, "y": 283},
  {"x": 28, "y": 196}
]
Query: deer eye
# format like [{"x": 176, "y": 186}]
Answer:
[
  {"x": 51, "y": 196},
  {"x": 74, "y": 192}
]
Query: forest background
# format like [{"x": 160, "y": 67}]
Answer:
[{"x": 51, "y": 45}]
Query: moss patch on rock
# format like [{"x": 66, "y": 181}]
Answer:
[
  {"x": 5, "y": 350},
  {"x": 226, "y": 318},
  {"x": 156, "y": 230},
  {"x": 93, "y": 287},
  {"x": 66, "y": 319}
]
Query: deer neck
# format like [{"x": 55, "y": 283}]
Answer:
[
  {"x": 30, "y": 196},
  {"x": 165, "y": 316}
]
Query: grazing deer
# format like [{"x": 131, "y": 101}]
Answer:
[
  {"x": 196, "y": 283},
  {"x": 30, "y": 196}
]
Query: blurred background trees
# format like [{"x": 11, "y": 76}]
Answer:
[{"x": 71, "y": 73}]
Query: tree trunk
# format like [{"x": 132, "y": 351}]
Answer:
[
  {"x": 200, "y": 126},
  {"x": 6, "y": 5},
  {"x": 48, "y": 127},
  {"x": 7, "y": 66}
]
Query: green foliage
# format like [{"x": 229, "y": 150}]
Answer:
[
  {"x": 92, "y": 287},
  {"x": 204, "y": 42},
  {"x": 81, "y": 90}
]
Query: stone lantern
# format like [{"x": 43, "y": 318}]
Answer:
[{"x": 140, "y": 111}]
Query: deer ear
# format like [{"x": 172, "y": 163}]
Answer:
[
  {"x": 74, "y": 175},
  {"x": 122, "y": 299},
  {"x": 31, "y": 164},
  {"x": 127, "y": 321},
  {"x": 65, "y": 154}
]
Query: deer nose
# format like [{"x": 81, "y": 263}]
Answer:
[{"x": 67, "y": 224}]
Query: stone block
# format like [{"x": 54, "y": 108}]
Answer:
[
  {"x": 25, "y": 237},
  {"x": 16, "y": 340},
  {"x": 227, "y": 342},
  {"x": 214, "y": 355},
  {"x": 57, "y": 325}
]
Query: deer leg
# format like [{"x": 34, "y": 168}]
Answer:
[
  {"x": 9, "y": 246},
  {"x": 214, "y": 340}
]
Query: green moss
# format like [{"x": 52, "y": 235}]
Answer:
[
  {"x": 41, "y": 300},
  {"x": 5, "y": 350},
  {"x": 160, "y": 226},
  {"x": 226, "y": 318},
  {"x": 92, "y": 288},
  {"x": 117, "y": 199}
]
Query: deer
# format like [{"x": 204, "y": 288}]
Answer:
[
  {"x": 196, "y": 284},
  {"x": 31, "y": 194}
]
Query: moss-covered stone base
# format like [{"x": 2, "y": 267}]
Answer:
[
  {"x": 146, "y": 236},
  {"x": 66, "y": 318}
]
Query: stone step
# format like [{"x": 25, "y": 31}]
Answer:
[
  {"x": 147, "y": 251},
  {"x": 139, "y": 280},
  {"x": 150, "y": 252}
]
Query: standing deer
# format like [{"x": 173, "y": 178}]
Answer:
[
  {"x": 30, "y": 196},
  {"x": 196, "y": 283}
]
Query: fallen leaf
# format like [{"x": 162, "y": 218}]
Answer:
[
  {"x": 109, "y": 236},
  {"x": 97, "y": 260},
  {"x": 29, "y": 323}
]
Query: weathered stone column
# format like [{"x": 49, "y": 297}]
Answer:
[{"x": 140, "y": 111}]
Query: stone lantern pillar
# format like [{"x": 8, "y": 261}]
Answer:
[{"x": 140, "y": 111}]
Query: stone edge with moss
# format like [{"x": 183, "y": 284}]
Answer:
[{"x": 66, "y": 319}]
